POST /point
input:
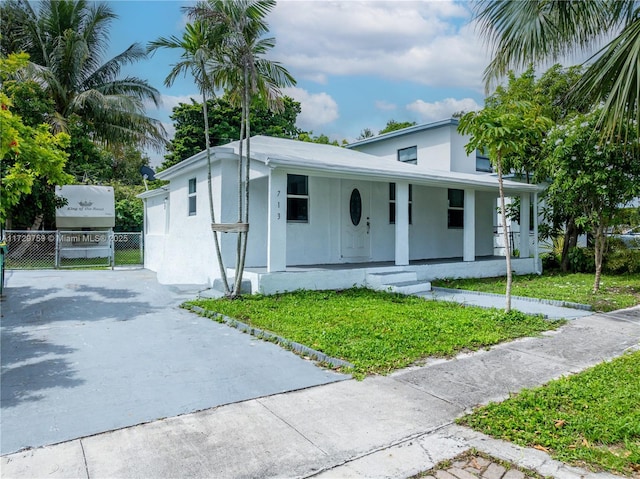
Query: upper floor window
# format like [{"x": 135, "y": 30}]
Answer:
[
  {"x": 192, "y": 197},
  {"x": 392, "y": 204},
  {"x": 408, "y": 155},
  {"x": 455, "y": 213},
  {"x": 298, "y": 198},
  {"x": 483, "y": 163}
]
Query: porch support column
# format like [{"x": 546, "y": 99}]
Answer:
[
  {"x": 277, "y": 222},
  {"x": 536, "y": 252},
  {"x": 402, "y": 223},
  {"x": 469, "y": 229},
  {"x": 525, "y": 202}
]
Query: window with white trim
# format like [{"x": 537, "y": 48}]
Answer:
[
  {"x": 455, "y": 213},
  {"x": 192, "y": 197},
  {"x": 297, "y": 198},
  {"x": 392, "y": 204},
  {"x": 408, "y": 155}
]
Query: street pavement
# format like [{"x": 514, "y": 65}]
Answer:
[{"x": 384, "y": 426}]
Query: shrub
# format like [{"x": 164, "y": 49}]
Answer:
[
  {"x": 620, "y": 259},
  {"x": 581, "y": 260},
  {"x": 549, "y": 262}
]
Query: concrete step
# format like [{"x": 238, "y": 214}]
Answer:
[
  {"x": 390, "y": 277},
  {"x": 408, "y": 287}
]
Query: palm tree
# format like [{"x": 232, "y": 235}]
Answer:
[
  {"x": 239, "y": 66},
  {"x": 196, "y": 45},
  {"x": 66, "y": 41},
  {"x": 525, "y": 31}
]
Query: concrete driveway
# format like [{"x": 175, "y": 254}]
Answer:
[{"x": 85, "y": 352}]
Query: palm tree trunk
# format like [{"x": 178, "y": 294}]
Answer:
[
  {"x": 507, "y": 248},
  {"x": 223, "y": 272},
  {"x": 242, "y": 238},
  {"x": 599, "y": 246}
]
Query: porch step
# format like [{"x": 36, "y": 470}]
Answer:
[
  {"x": 375, "y": 280},
  {"x": 409, "y": 287}
]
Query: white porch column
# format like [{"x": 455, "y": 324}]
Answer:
[
  {"x": 277, "y": 222},
  {"x": 469, "y": 230},
  {"x": 402, "y": 224},
  {"x": 536, "y": 252},
  {"x": 525, "y": 202}
]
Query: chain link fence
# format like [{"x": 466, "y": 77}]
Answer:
[{"x": 72, "y": 249}]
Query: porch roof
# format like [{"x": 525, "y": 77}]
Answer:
[{"x": 329, "y": 160}]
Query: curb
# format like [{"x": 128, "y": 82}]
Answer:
[
  {"x": 267, "y": 336},
  {"x": 551, "y": 302}
]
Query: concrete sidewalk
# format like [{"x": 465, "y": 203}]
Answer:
[{"x": 393, "y": 426}]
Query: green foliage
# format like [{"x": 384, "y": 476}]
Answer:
[
  {"x": 28, "y": 153},
  {"x": 322, "y": 139},
  {"x": 616, "y": 292},
  {"x": 67, "y": 39},
  {"x": 620, "y": 259},
  {"x": 129, "y": 209},
  {"x": 376, "y": 331},
  {"x": 224, "y": 125},
  {"x": 590, "y": 418},
  {"x": 393, "y": 125},
  {"x": 581, "y": 260}
]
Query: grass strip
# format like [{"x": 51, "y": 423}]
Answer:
[
  {"x": 616, "y": 292},
  {"x": 376, "y": 331},
  {"x": 591, "y": 419}
]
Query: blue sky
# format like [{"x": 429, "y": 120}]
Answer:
[{"x": 357, "y": 64}]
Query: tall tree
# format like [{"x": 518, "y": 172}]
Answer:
[
  {"x": 66, "y": 41},
  {"x": 393, "y": 125},
  {"x": 196, "y": 46},
  {"x": 239, "y": 65},
  {"x": 27, "y": 153},
  {"x": 592, "y": 178},
  {"x": 504, "y": 130},
  {"x": 224, "y": 125},
  {"x": 522, "y": 32}
]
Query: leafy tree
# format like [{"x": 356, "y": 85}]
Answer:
[
  {"x": 321, "y": 138},
  {"x": 393, "y": 125},
  {"x": 592, "y": 178},
  {"x": 28, "y": 153},
  {"x": 129, "y": 208},
  {"x": 366, "y": 133},
  {"x": 538, "y": 30},
  {"x": 66, "y": 40},
  {"x": 504, "y": 130},
  {"x": 239, "y": 65},
  {"x": 224, "y": 125}
]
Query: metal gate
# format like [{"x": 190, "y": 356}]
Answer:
[{"x": 72, "y": 249}]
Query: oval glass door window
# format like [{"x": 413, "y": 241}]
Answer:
[{"x": 355, "y": 207}]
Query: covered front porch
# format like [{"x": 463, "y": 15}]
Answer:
[{"x": 412, "y": 278}]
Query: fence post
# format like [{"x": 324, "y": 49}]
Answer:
[
  {"x": 57, "y": 255},
  {"x": 112, "y": 248}
]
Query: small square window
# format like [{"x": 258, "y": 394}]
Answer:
[
  {"x": 408, "y": 155},
  {"x": 455, "y": 213}
]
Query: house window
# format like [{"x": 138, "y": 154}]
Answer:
[
  {"x": 408, "y": 155},
  {"x": 392, "y": 204},
  {"x": 455, "y": 213},
  {"x": 192, "y": 197},
  {"x": 483, "y": 163},
  {"x": 298, "y": 198}
]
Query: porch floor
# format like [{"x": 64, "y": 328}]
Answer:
[{"x": 372, "y": 265}]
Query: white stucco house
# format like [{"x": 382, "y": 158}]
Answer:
[{"x": 393, "y": 211}]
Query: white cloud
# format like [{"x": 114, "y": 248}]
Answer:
[
  {"x": 318, "y": 109},
  {"x": 169, "y": 102},
  {"x": 385, "y": 105},
  {"x": 443, "y": 109},
  {"x": 429, "y": 42}
]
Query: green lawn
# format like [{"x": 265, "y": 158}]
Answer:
[
  {"x": 591, "y": 419},
  {"x": 377, "y": 331},
  {"x": 616, "y": 292}
]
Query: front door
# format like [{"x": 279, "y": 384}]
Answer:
[{"x": 356, "y": 221}]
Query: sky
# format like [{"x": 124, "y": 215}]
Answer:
[{"x": 358, "y": 64}]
